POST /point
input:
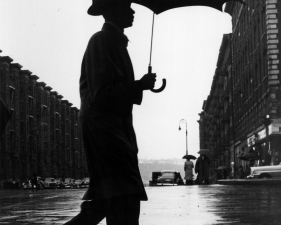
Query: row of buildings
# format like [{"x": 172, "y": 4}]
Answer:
[
  {"x": 42, "y": 135},
  {"x": 242, "y": 112}
]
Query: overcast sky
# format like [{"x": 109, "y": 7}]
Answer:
[{"x": 49, "y": 37}]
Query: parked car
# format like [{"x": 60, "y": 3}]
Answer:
[
  {"x": 59, "y": 183},
  {"x": 63, "y": 185},
  {"x": 155, "y": 176},
  {"x": 265, "y": 172},
  {"x": 68, "y": 182},
  {"x": 74, "y": 184},
  {"x": 85, "y": 182},
  {"x": 168, "y": 176},
  {"x": 50, "y": 183},
  {"x": 27, "y": 184},
  {"x": 178, "y": 178},
  {"x": 41, "y": 183},
  {"x": 78, "y": 182}
]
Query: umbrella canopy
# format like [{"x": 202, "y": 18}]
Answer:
[
  {"x": 222, "y": 168},
  {"x": 189, "y": 157},
  {"x": 4, "y": 116},
  {"x": 243, "y": 158},
  {"x": 249, "y": 156},
  {"x": 159, "y": 6}
]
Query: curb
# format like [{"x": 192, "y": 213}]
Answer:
[{"x": 264, "y": 181}]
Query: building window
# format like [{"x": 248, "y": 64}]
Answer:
[
  {"x": 30, "y": 103},
  {"x": 30, "y": 89},
  {"x": 12, "y": 112},
  {"x": 67, "y": 126},
  {"x": 31, "y": 124},
  {"x": 75, "y": 130},
  {"x": 12, "y": 141},
  {"x": 12, "y": 76},
  {"x": 45, "y": 113},
  {"x": 57, "y": 119},
  {"x": 21, "y": 88},
  {"x": 22, "y": 129},
  {"x": 31, "y": 145},
  {"x": 12, "y": 92}
]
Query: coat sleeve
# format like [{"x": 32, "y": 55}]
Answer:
[{"x": 102, "y": 76}]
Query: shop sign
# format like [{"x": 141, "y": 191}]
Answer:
[
  {"x": 274, "y": 129},
  {"x": 254, "y": 138},
  {"x": 251, "y": 141},
  {"x": 262, "y": 134}
]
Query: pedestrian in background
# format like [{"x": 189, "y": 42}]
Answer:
[
  {"x": 188, "y": 168},
  {"x": 252, "y": 162},
  {"x": 276, "y": 160},
  {"x": 108, "y": 91},
  {"x": 240, "y": 172},
  {"x": 202, "y": 168},
  {"x": 34, "y": 182},
  {"x": 232, "y": 170},
  {"x": 247, "y": 171}
]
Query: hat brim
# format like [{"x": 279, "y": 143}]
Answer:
[{"x": 96, "y": 9}]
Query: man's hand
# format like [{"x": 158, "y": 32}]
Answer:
[{"x": 148, "y": 81}]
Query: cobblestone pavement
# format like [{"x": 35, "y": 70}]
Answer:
[{"x": 177, "y": 205}]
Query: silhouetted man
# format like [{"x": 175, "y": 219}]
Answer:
[{"x": 108, "y": 91}]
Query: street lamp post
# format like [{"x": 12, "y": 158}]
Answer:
[
  {"x": 266, "y": 120},
  {"x": 184, "y": 122}
]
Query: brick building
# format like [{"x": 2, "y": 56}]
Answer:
[
  {"x": 243, "y": 109},
  {"x": 42, "y": 135}
]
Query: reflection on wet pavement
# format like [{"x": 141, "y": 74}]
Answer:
[{"x": 179, "y": 205}]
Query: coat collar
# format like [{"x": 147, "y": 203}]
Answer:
[{"x": 116, "y": 33}]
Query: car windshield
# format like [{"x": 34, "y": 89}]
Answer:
[
  {"x": 168, "y": 174},
  {"x": 86, "y": 179}
]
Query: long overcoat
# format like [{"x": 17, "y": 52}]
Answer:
[
  {"x": 108, "y": 91},
  {"x": 202, "y": 168}
]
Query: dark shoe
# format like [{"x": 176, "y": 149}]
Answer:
[
  {"x": 91, "y": 213},
  {"x": 80, "y": 219}
]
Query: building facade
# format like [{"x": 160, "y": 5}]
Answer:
[
  {"x": 243, "y": 109},
  {"x": 42, "y": 135}
]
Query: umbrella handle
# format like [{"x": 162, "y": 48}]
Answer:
[{"x": 163, "y": 83}]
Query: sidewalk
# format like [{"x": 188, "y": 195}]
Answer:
[
  {"x": 167, "y": 205},
  {"x": 261, "y": 181}
]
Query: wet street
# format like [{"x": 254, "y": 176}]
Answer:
[{"x": 177, "y": 205}]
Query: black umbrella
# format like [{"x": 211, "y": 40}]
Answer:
[
  {"x": 243, "y": 158},
  {"x": 159, "y": 6},
  {"x": 222, "y": 168},
  {"x": 4, "y": 116},
  {"x": 189, "y": 157},
  {"x": 249, "y": 156}
]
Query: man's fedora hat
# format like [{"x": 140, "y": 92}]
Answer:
[{"x": 98, "y": 7}]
